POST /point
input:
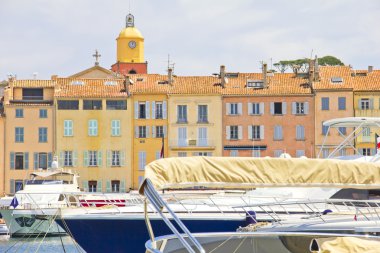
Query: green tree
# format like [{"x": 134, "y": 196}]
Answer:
[
  {"x": 329, "y": 60},
  {"x": 303, "y": 64}
]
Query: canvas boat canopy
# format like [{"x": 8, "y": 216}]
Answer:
[
  {"x": 353, "y": 122},
  {"x": 248, "y": 172},
  {"x": 347, "y": 245}
]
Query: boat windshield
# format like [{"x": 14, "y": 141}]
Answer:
[{"x": 46, "y": 182}]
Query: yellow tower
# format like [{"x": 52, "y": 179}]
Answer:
[{"x": 130, "y": 43}]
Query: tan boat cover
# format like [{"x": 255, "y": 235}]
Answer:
[
  {"x": 247, "y": 172},
  {"x": 348, "y": 245}
]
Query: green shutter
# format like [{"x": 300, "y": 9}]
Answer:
[
  {"x": 12, "y": 186},
  {"x": 99, "y": 186},
  {"x": 109, "y": 157},
  {"x": 12, "y": 160},
  {"x": 122, "y": 186},
  {"x": 75, "y": 158},
  {"x": 99, "y": 158},
  {"x": 108, "y": 186},
  {"x": 35, "y": 155},
  {"x": 50, "y": 159},
  {"x": 85, "y": 185},
  {"x": 26, "y": 160},
  {"x": 85, "y": 158}
]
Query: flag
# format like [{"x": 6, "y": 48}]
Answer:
[
  {"x": 14, "y": 202},
  {"x": 162, "y": 149}
]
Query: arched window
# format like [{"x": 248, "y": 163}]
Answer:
[{"x": 132, "y": 71}]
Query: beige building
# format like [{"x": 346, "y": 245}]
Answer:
[
  {"x": 93, "y": 132},
  {"x": 28, "y": 131}
]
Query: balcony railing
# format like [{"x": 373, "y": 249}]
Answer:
[{"x": 185, "y": 143}]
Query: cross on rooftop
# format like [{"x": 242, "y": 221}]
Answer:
[{"x": 97, "y": 56}]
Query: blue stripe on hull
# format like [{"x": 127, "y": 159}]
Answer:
[{"x": 130, "y": 235}]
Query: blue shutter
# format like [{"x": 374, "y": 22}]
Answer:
[
  {"x": 50, "y": 159},
  {"x": 12, "y": 186},
  {"x": 164, "y": 113},
  {"x": 26, "y": 160},
  {"x": 35, "y": 160},
  {"x": 12, "y": 160}
]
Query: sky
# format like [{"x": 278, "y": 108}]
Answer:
[{"x": 44, "y": 37}]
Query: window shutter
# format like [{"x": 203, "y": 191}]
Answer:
[
  {"x": 240, "y": 132},
  {"x": 306, "y": 107},
  {"x": 262, "y": 132},
  {"x": 99, "y": 158},
  {"x": 85, "y": 158},
  {"x": 272, "y": 108},
  {"x": 108, "y": 186},
  {"x": 12, "y": 186},
  {"x": 371, "y": 103},
  {"x": 228, "y": 108},
  {"x": 147, "y": 131},
  {"x": 99, "y": 186},
  {"x": 50, "y": 159},
  {"x": 136, "y": 109},
  {"x": 147, "y": 110},
  {"x": 75, "y": 158},
  {"x": 122, "y": 158},
  {"x": 360, "y": 103},
  {"x": 283, "y": 108},
  {"x": 165, "y": 129},
  {"x": 136, "y": 132},
  {"x": 250, "y": 109},
  {"x": 26, "y": 160},
  {"x": 261, "y": 108},
  {"x": 240, "y": 108},
  {"x": 109, "y": 158},
  {"x": 35, "y": 157},
  {"x": 294, "y": 108},
  {"x": 122, "y": 186},
  {"x": 280, "y": 132},
  {"x": 12, "y": 160},
  {"x": 153, "y": 109},
  {"x": 250, "y": 132},
  {"x": 85, "y": 185},
  {"x": 164, "y": 113},
  {"x": 153, "y": 131},
  {"x": 61, "y": 160},
  {"x": 228, "y": 133}
]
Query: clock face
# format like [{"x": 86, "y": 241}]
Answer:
[{"x": 132, "y": 44}]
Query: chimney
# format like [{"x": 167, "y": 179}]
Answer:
[
  {"x": 370, "y": 69},
  {"x": 265, "y": 70},
  {"x": 316, "y": 69},
  {"x": 311, "y": 71},
  {"x": 222, "y": 76},
  {"x": 170, "y": 76}
]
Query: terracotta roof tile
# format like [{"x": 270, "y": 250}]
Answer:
[
  {"x": 32, "y": 83},
  {"x": 328, "y": 72}
]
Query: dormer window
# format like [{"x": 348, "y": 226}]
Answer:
[
  {"x": 77, "y": 82},
  {"x": 256, "y": 84},
  {"x": 336, "y": 80},
  {"x": 140, "y": 79},
  {"x": 232, "y": 75},
  {"x": 111, "y": 83}
]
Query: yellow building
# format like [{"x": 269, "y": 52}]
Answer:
[
  {"x": 93, "y": 132},
  {"x": 28, "y": 131},
  {"x": 195, "y": 117}
]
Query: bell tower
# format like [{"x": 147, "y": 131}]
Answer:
[{"x": 130, "y": 50}]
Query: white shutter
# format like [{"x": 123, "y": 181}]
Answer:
[
  {"x": 306, "y": 108},
  {"x": 228, "y": 133},
  {"x": 272, "y": 108},
  {"x": 99, "y": 158},
  {"x": 262, "y": 108},
  {"x": 294, "y": 108},
  {"x": 136, "y": 132},
  {"x": 371, "y": 103},
  {"x": 165, "y": 133},
  {"x": 153, "y": 109},
  {"x": 261, "y": 132},
  {"x": 154, "y": 131},
  {"x": 75, "y": 158},
  {"x": 147, "y": 131},
  {"x": 250, "y": 132},
  {"x": 136, "y": 110},
  {"x": 240, "y": 132},
  {"x": 164, "y": 112},
  {"x": 122, "y": 160},
  {"x": 250, "y": 109},
  {"x": 85, "y": 185},
  {"x": 283, "y": 108},
  {"x": 147, "y": 110},
  {"x": 228, "y": 107},
  {"x": 61, "y": 159},
  {"x": 240, "y": 108}
]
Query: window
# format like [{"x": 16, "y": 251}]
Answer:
[
  {"x": 68, "y": 104},
  {"x": 142, "y": 112},
  {"x": 68, "y": 128},
  {"x": 366, "y": 134},
  {"x": 234, "y": 153},
  {"x": 300, "y": 153},
  {"x": 19, "y": 134},
  {"x": 278, "y": 152},
  {"x": 159, "y": 131},
  {"x": 365, "y": 151},
  {"x": 343, "y": 152},
  {"x": 19, "y": 185},
  {"x": 115, "y": 127},
  {"x": 142, "y": 132},
  {"x": 342, "y": 130},
  {"x": 256, "y": 132},
  {"x": 234, "y": 109},
  {"x": 202, "y": 154},
  {"x": 256, "y": 109},
  {"x": 93, "y": 127},
  {"x": 115, "y": 160},
  {"x": 341, "y": 103},
  {"x": 300, "y": 133},
  {"x": 277, "y": 133},
  {"x": 116, "y": 105},
  {"x": 158, "y": 112},
  {"x": 92, "y": 158},
  {"x": 324, "y": 129},
  {"x": 115, "y": 184},
  {"x": 68, "y": 158},
  {"x": 255, "y": 84},
  {"x": 41, "y": 161},
  {"x": 336, "y": 79},
  {"x": 325, "y": 103},
  {"x": 142, "y": 160},
  {"x": 202, "y": 114},
  {"x": 234, "y": 132},
  {"x": 19, "y": 161},
  {"x": 300, "y": 108},
  {"x": 182, "y": 154},
  {"x": 43, "y": 113},
  {"x": 278, "y": 108},
  {"x": 256, "y": 153},
  {"x": 325, "y": 153},
  {"x": 19, "y": 113},
  {"x": 365, "y": 104},
  {"x": 92, "y": 104},
  {"x": 182, "y": 114},
  {"x": 92, "y": 185},
  {"x": 42, "y": 134},
  {"x": 32, "y": 94}
]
